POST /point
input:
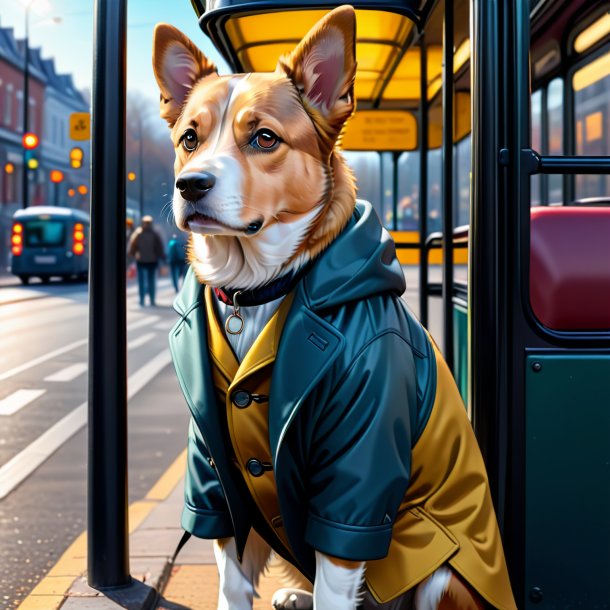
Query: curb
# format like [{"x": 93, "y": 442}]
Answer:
[{"x": 154, "y": 536}]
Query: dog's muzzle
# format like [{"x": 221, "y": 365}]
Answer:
[{"x": 195, "y": 185}]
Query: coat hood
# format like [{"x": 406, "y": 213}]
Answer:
[{"x": 359, "y": 263}]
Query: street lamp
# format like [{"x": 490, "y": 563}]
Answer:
[{"x": 26, "y": 102}]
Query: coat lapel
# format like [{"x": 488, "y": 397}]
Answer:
[
  {"x": 189, "y": 347},
  {"x": 308, "y": 347}
]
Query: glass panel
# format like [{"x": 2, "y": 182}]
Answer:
[
  {"x": 462, "y": 181},
  {"x": 367, "y": 170},
  {"x": 49, "y": 233},
  {"x": 536, "y": 139},
  {"x": 434, "y": 191},
  {"x": 407, "y": 213},
  {"x": 594, "y": 33},
  {"x": 387, "y": 186},
  {"x": 555, "y": 144},
  {"x": 591, "y": 112}
]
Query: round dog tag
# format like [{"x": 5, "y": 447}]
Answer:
[{"x": 234, "y": 324}]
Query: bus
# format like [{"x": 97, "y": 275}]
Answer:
[{"x": 50, "y": 241}]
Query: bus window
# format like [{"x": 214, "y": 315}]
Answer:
[
  {"x": 407, "y": 212},
  {"x": 536, "y": 139},
  {"x": 591, "y": 85},
  {"x": 555, "y": 131},
  {"x": 45, "y": 233}
]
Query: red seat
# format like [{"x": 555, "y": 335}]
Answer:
[{"x": 570, "y": 267}]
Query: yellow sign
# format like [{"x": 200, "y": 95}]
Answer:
[
  {"x": 380, "y": 130},
  {"x": 80, "y": 126}
]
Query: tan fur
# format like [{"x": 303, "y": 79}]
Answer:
[{"x": 306, "y": 171}]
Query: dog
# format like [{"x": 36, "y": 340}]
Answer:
[{"x": 325, "y": 425}]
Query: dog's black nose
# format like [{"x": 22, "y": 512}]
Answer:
[{"x": 195, "y": 185}]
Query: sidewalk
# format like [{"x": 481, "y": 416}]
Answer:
[{"x": 191, "y": 583}]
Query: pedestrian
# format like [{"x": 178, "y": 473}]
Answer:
[
  {"x": 176, "y": 257},
  {"x": 146, "y": 247}
]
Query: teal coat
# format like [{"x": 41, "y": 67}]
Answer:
[{"x": 352, "y": 388}]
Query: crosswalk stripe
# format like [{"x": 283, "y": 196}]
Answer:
[
  {"x": 41, "y": 359},
  {"x": 166, "y": 324},
  {"x": 145, "y": 321},
  {"x": 24, "y": 463},
  {"x": 69, "y": 373},
  {"x": 140, "y": 341},
  {"x": 17, "y": 400}
]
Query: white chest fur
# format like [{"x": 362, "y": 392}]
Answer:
[{"x": 255, "y": 319}]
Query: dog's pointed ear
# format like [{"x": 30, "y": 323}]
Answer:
[
  {"x": 178, "y": 64},
  {"x": 323, "y": 65}
]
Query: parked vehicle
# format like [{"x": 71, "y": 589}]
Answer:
[{"x": 50, "y": 242}]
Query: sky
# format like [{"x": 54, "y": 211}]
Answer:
[{"x": 70, "y": 41}]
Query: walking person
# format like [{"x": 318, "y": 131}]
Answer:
[
  {"x": 176, "y": 257},
  {"x": 146, "y": 247}
]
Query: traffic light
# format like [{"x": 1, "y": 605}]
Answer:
[
  {"x": 30, "y": 140},
  {"x": 31, "y": 159},
  {"x": 76, "y": 157}
]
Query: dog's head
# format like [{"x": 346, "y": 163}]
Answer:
[{"x": 254, "y": 151}]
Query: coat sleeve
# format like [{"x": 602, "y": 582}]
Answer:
[
  {"x": 133, "y": 241},
  {"x": 361, "y": 452},
  {"x": 205, "y": 513}
]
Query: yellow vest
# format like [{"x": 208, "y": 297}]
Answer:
[{"x": 248, "y": 426}]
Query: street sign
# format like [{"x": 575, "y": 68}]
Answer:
[
  {"x": 80, "y": 126},
  {"x": 380, "y": 130}
]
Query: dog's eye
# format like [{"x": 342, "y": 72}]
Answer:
[
  {"x": 189, "y": 140},
  {"x": 265, "y": 139}
]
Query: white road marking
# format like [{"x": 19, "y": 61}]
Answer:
[
  {"x": 17, "y": 400},
  {"x": 24, "y": 463},
  {"x": 140, "y": 341},
  {"x": 166, "y": 324},
  {"x": 41, "y": 359},
  {"x": 69, "y": 373},
  {"x": 146, "y": 321}
]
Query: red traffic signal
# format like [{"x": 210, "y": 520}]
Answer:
[
  {"x": 30, "y": 140},
  {"x": 56, "y": 176}
]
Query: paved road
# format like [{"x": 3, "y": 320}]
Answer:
[{"x": 43, "y": 436}]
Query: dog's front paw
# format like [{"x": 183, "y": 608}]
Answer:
[{"x": 292, "y": 599}]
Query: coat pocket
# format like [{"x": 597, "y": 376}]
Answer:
[{"x": 420, "y": 544}]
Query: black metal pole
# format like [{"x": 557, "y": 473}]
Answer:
[
  {"x": 108, "y": 553},
  {"x": 26, "y": 98},
  {"x": 423, "y": 183},
  {"x": 484, "y": 326},
  {"x": 544, "y": 143},
  {"x": 448, "y": 184},
  {"x": 395, "y": 157}
]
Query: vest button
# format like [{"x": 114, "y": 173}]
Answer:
[
  {"x": 256, "y": 468},
  {"x": 241, "y": 399}
]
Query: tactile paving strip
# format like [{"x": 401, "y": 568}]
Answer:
[{"x": 195, "y": 587}]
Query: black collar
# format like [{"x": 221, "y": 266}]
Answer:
[{"x": 263, "y": 294}]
